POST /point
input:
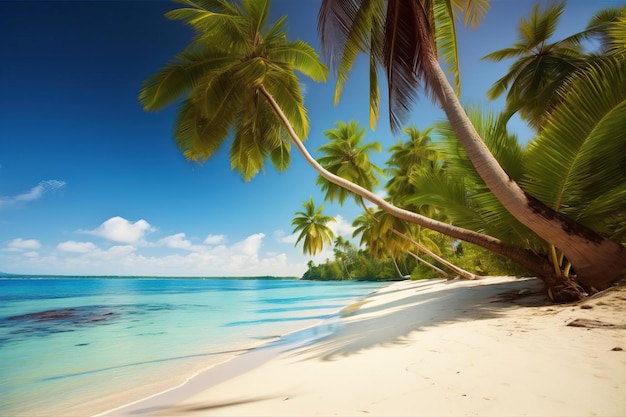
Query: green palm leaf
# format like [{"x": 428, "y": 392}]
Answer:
[
  {"x": 579, "y": 159},
  {"x": 218, "y": 79}
]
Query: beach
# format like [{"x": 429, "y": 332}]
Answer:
[{"x": 490, "y": 347}]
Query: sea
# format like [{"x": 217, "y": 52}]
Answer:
[{"x": 82, "y": 345}]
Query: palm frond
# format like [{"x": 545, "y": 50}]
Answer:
[
  {"x": 257, "y": 11},
  {"x": 580, "y": 155},
  {"x": 445, "y": 34},
  {"x": 474, "y": 11},
  {"x": 302, "y": 57}
]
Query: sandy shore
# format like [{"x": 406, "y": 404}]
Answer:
[{"x": 491, "y": 347}]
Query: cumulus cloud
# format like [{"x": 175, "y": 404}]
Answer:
[
  {"x": 35, "y": 193},
  {"x": 77, "y": 247},
  {"x": 24, "y": 244},
  {"x": 118, "y": 229},
  {"x": 214, "y": 239},
  {"x": 177, "y": 241},
  {"x": 341, "y": 227},
  {"x": 285, "y": 238},
  {"x": 249, "y": 246}
]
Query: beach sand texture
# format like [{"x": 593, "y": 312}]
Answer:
[{"x": 491, "y": 347}]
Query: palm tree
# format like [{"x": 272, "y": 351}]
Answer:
[
  {"x": 342, "y": 252},
  {"x": 541, "y": 67},
  {"x": 417, "y": 156},
  {"x": 584, "y": 176},
  {"x": 237, "y": 77},
  {"x": 347, "y": 157},
  {"x": 406, "y": 46},
  {"x": 312, "y": 225},
  {"x": 233, "y": 61}
]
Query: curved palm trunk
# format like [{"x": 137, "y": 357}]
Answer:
[
  {"x": 395, "y": 264},
  {"x": 462, "y": 272},
  {"x": 431, "y": 266},
  {"x": 525, "y": 258},
  {"x": 598, "y": 261}
]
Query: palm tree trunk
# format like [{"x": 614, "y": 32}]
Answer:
[
  {"x": 462, "y": 272},
  {"x": 598, "y": 261},
  {"x": 431, "y": 266},
  {"x": 395, "y": 264},
  {"x": 525, "y": 258},
  {"x": 422, "y": 248}
]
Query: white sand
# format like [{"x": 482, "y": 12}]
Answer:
[{"x": 433, "y": 348}]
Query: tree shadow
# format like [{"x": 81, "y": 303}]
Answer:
[{"x": 389, "y": 323}]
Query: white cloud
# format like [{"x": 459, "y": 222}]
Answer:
[
  {"x": 177, "y": 241},
  {"x": 249, "y": 246},
  {"x": 341, "y": 227},
  {"x": 23, "y": 244},
  {"x": 214, "y": 239},
  {"x": 118, "y": 229},
  {"x": 162, "y": 257},
  {"x": 77, "y": 247},
  {"x": 35, "y": 193},
  {"x": 284, "y": 238}
]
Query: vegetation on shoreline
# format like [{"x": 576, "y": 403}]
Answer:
[{"x": 555, "y": 209}]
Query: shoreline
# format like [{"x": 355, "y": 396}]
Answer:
[
  {"x": 246, "y": 358},
  {"x": 435, "y": 347}
]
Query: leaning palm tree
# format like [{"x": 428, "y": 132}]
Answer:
[
  {"x": 237, "y": 76},
  {"x": 401, "y": 36},
  {"x": 313, "y": 228}
]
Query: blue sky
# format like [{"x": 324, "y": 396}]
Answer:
[{"x": 90, "y": 184}]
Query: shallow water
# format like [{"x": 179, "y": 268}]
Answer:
[{"x": 73, "y": 344}]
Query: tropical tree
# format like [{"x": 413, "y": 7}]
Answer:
[
  {"x": 236, "y": 77},
  {"x": 541, "y": 67},
  {"x": 346, "y": 156},
  {"x": 234, "y": 61},
  {"x": 313, "y": 228},
  {"x": 405, "y": 45},
  {"x": 380, "y": 245}
]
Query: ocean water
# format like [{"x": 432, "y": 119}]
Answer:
[{"x": 77, "y": 346}]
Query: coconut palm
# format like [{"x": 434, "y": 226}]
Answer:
[
  {"x": 313, "y": 228},
  {"x": 608, "y": 27},
  {"x": 233, "y": 61},
  {"x": 417, "y": 156},
  {"x": 347, "y": 157},
  {"x": 584, "y": 176},
  {"x": 540, "y": 68},
  {"x": 409, "y": 56},
  {"x": 229, "y": 78}
]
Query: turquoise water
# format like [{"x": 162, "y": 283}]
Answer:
[{"x": 74, "y": 345}]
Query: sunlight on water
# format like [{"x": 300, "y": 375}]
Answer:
[{"x": 69, "y": 343}]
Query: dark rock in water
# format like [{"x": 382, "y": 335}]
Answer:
[
  {"x": 73, "y": 315},
  {"x": 592, "y": 324},
  {"x": 45, "y": 323},
  {"x": 617, "y": 349}
]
